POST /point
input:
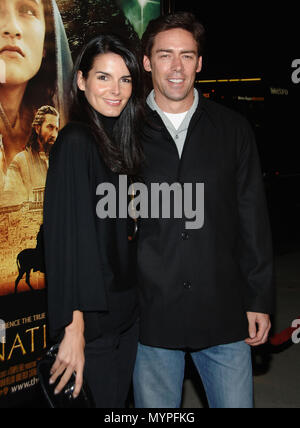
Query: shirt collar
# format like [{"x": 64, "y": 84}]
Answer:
[
  {"x": 153, "y": 105},
  {"x": 203, "y": 105}
]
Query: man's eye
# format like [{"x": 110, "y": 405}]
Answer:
[{"x": 104, "y": 78}]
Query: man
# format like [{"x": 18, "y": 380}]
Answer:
[
  {"x": 28, "y": 170},
  {"x": 206, "y": 291}
]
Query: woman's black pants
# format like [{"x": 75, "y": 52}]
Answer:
[{"x": 109, "y": 364}]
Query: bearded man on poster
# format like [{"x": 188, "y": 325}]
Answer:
[{"x": 28, "y": 170}]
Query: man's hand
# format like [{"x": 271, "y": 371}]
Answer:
[{"x": 259, "y": 328}]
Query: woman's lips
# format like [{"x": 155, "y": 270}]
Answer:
[{"x": 114, "y": 103}]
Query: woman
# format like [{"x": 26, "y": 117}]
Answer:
[
  {"x": 90, "y": 262},
  {"x": 33, "y": 51}
]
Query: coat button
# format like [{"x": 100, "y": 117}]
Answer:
[
  {"x": 187, "y": 285},
  {"x": 185, "y": 236}
]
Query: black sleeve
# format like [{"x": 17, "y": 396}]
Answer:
[
  {"x": 73, "y": 264},
  {"x": 256, "y": 253}
]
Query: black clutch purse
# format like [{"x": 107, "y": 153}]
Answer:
[{"x": 65, "y": 399}]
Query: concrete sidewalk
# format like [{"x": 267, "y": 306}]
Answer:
[{"x": 276, "y": 369}]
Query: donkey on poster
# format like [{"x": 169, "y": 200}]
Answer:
[{"x": 31, "y": 259}]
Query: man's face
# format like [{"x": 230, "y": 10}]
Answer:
[
  {"x": 22, "y": 34},
  {"x": 48, "y": 131},
  {"x": 174, "y": 63}
]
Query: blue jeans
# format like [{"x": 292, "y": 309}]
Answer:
[{"x": 225, "y": 370}]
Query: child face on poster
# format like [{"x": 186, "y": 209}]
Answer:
[{"x": 22, "y": 34}]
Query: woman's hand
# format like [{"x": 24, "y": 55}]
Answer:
[{"x": 70, "y": 357}]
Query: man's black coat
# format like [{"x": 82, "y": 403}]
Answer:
[{"x": 197, "y": 285}]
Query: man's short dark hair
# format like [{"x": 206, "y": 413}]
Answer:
[{"x": 184, "y": 20}]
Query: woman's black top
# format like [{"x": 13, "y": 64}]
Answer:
[{"x": 90, "y": 263}]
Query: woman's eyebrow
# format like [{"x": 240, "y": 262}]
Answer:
[{"x": 108, "y": 74}]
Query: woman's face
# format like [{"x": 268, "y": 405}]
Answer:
[
  {"x": 22, "y": 34},
  {"x": 108, "y": 86}
]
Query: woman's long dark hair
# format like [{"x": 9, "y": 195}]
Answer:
[{"x": 123, "y": 155}]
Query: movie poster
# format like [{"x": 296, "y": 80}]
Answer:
[{"x": 39, "y": 41}]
